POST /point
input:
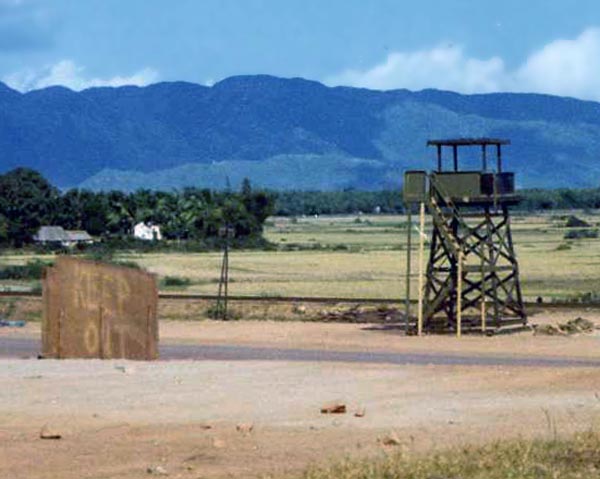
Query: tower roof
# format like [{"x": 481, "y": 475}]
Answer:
[{"x": 468, "y": 142}]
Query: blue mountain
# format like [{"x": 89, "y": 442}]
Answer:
[{"x": 284, "y": 133}]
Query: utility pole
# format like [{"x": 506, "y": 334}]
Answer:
[{"x": 226, "y": 233}]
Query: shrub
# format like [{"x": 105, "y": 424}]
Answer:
[
  {"x": 581, "y": 234},
  {"x": 126, "y": 264},
  {"x": 29, "y": 271},
  {"x": 574, "y": 222},
  {"x": 213, "y": 312},
  {"x": 175, "y": 281}
]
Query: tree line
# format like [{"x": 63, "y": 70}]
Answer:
[
  {"x": 298, "y": 203},
  {"x": 28, "y": 201}
]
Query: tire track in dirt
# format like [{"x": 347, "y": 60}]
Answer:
[{"x": 28, "y": 347}]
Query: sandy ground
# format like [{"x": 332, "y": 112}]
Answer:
[
  {"x": 118, "y": 418},
  {"x": 372, "y": 337},
  {"x": 378, "y": 337}
]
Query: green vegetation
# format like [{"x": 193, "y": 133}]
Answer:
[
  {"x": 32, "y": 270},
  {"x": 298, "y": 203},
  {"x": 107, "y": 255},
  {"x": 581, "y": 233},
  {"x": 334, "y": 256},
  {"x": 577, "y": 457},
  {"x": 191, "y": 218},
  {"x": 28, "y": 201},
  {"x": 214, "y": 312},
  {"x": 175, "y": 281}
]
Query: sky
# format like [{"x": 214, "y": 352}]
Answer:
[{"x": 477, "y": 46}]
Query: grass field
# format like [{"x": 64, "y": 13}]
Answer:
[{"x": 365, "y": 256}]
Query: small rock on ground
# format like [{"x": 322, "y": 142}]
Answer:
[
  {"x": 245, "y": 428},
  {"x": 360, "y": 412},
  {"x": 157, "y": 471},
  {"x": 390, "y": 439},
  {"x": 334, "y": 408},
  {"x": 48, "y": 433}
]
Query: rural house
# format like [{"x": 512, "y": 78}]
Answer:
[
  {"x": 58, "y": 235},
  {"x": 145, "y": 231}
]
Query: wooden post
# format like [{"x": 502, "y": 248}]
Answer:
[
  {"x": 421, "y": 247},
  {"x": 59, "y": 335},
  {"x": 483, "y": 312},
  {"x": 226, "y": 260},
  {"x": 484, "y": 158},
  {"x": 101, "y": 333},
  {"x": 498, "y": 158},
  {"x": 455, "y": 156},
  {"x": 459, "y": 295},
  {"x": 483, "y": 319},
  {"x": 149, "y": 342},
  {"x": 408, "y": 268}
]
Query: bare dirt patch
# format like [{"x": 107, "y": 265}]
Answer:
[{"x": 119, "y": 418}]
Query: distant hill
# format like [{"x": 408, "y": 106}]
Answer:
[{"x": 284, "y": 134}]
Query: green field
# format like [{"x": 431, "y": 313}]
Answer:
[{"x": 365, "y": 256}]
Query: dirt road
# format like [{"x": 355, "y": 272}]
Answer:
[
  {"x": 119, "y": 418},
  {"x": 30, "y": 348}
]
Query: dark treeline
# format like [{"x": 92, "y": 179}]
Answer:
[
  {"x": 28, "y": 201},
  {"x": 297, "y": 203},
  {"x": 559, "y": 199}
]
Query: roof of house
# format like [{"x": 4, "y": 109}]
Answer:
[
  {"x": 57, "y": 234},
  {"x": 51, "y": 234},
  {"x": 142, "y": 224},
  {"x": 79, "y": 235}
]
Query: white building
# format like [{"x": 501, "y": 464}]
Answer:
[{"x": 145, "y": 231}]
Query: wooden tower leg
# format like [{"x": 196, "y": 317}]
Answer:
[
  {"x": 421, "y": 247},
  {"x": 459, "y": 295},
  {"x": 483, "y": 293},
  {"x": 517, "y": 282},
  {"x": 408, "y": 270}
]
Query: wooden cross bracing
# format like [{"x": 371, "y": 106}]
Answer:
[{"x": 490, "y": 292}]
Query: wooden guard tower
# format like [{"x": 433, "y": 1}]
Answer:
[{"x": 472, "y": 276}]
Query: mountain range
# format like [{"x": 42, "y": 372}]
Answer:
[{"x": 284, "y": 134}]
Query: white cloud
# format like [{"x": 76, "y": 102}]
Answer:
[
  {"x": 67, "y": 73},
  {"x": 444, "y": 67},
  {"x": 565, "y": 67},
  {"x": 562, "y": 67}
]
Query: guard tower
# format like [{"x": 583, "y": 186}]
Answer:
[{"x": 472, "y": 275}]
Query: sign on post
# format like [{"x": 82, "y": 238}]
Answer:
[{"x": 95, "y": 310}]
